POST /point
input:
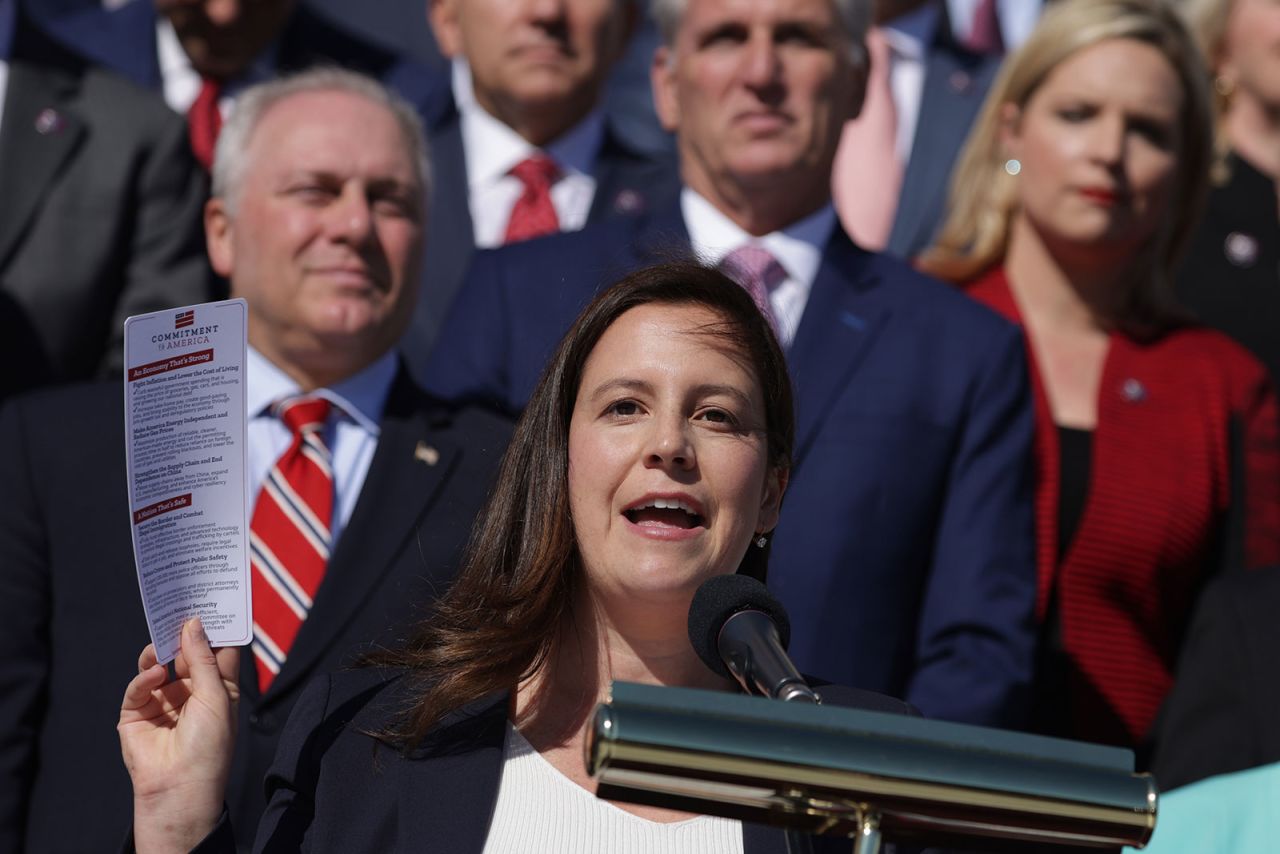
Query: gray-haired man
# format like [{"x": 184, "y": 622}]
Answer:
[{"x": 318, "y": 223}]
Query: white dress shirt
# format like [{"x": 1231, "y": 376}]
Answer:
[
  {"x": 492, "y": 149},
  {"x": 798, "y": 248},
  {"x": 351, "y": 433},
  {"x": 182, "y": 82},
  {"x": 909, "y": 37}
]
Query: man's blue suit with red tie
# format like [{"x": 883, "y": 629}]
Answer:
[{"x": 905, "y": 550}]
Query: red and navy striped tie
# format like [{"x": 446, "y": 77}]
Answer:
[{"x": 289, "y": 537}]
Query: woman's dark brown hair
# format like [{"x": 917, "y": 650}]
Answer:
[{"x": 498, "y": 623}]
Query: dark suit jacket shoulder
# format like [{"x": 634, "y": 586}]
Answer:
[
  {"x": 1223, "y": 713},
  {"x": 71, "y": 621},
  {"x": 102, "y": 213}
]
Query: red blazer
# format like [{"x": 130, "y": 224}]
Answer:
[{"x": 1187, "y": 429}]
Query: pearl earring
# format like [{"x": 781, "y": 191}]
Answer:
[{"x": 1012, "y": 166}]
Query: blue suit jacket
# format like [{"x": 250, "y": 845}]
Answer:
[
  {"x": 905, "y": 551},
  {"x": 628, "y": 181},
  {"x": 955, "y": 86}
]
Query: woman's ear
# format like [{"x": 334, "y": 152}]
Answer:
[
  {"x": 1009, "y": 132},
  {"x": 775, "y": 486}
]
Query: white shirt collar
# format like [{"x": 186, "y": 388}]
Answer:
[
  {"x": 361, "y": 397},
  {"x": 798, "y": 247},
  {"x": 910, "y": 35},
  {"x": 493, "y": 148}
]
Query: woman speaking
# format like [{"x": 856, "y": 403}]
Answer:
[
  {"x": 653, "y": 455},
  {"x": 1156, "y": 439}
]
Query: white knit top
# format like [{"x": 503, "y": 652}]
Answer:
[{"x": 541, "y": 810}]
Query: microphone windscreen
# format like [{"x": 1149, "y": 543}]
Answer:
[{"x": 718, "y": 599}]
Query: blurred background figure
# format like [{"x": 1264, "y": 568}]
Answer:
[
  {"x": 201, "y": 53},
  {"x": 931, "y": 65},
  {"x": 628, "y": 102},
  {"x": 101, "y": 210},
  {"x": 1223, "y": 714},
  {"x": 521, "y": 143},
  {"x": 1156, "y": 443},
  {"x": 1230, "y": 277}
]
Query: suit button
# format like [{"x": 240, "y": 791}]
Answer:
[{"x": 262, "y": 721}]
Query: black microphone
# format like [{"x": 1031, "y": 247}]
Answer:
[{"x": 738, "y": 629}]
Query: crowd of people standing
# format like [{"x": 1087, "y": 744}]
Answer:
[{"x": 997, "y": 423}]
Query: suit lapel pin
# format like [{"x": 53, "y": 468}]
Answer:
[
  {"x": 48, "y": 121},
  {"x": 1133, "y": 391},
  {"x": 424, "y": 453},
  {"x": 628, "y": 202},
  {"x": 960, "y": 82}
]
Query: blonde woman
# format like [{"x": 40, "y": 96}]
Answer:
[{"x": 1081, "y": 180}]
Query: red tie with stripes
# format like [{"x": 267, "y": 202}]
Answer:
[{"x": 289, "y": 536}]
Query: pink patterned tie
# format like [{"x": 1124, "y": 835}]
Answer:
[
  {"x": 758, "y": 272},
  {"x": 289, "y": 536},
  {"x": 984, "y": 31},
  {"x": 867, "y": 175}
]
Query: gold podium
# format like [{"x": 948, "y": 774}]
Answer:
[{"x": 863, "y": 775}]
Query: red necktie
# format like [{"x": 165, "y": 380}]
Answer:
[
  {"x": 204, "y": 121},
  {"x": 533, "y": 215},
  {"x": 984, "y": 32},
  {"x": 758, "y": 272},
  {"x": 289, "y": 536}
]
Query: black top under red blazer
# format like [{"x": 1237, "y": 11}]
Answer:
[{"x": 1187, "y": 429}]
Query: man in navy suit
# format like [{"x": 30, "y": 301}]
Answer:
[
  {"x": 905, "y": 550},
  {"x": 938, "y": 81},
  {"x": 317, "y": 220},
  {"x": 524, "y": 86}
]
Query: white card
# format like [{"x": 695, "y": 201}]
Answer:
[{"x": 185, "y": 439}]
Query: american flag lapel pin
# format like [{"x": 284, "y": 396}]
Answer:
[{"x": 424, "y": 453}]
